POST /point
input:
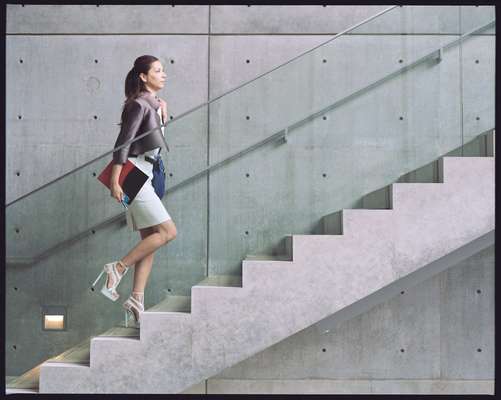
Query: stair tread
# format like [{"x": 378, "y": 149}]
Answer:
[
  {"x": 221, "y": 280},
  {"x": 22, "y": 391},
  {"x": 121, "y": 331},
  {"x": 80, "y": 354},
  {"x": 173, "y": 303},
  {"x": 28, "y": 380},
  {"x": 264, "y": 257}
]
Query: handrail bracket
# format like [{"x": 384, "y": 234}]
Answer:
[
  {"x": 439, "y": 55},
  {"x": 284, "y": 136}
]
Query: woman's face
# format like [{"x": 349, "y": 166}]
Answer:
[{"x": 155, "y": 79}]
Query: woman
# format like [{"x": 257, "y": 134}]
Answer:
[{"x": 141, "y": 112}]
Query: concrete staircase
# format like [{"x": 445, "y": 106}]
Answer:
[
  {"x": 77, "y": 355},
  {"x": 185, "y": 340}
]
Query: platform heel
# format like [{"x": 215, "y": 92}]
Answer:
[
  {"x": 111, "y": 269},
  {"x": 132, "y": 304}
]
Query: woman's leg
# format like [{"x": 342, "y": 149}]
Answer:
[
  {"x": 142, "y": 271},
  {"x": 163, "y": 234},
  {"x": 158, "y": 236},
  {"x": 142, "y": 268}
]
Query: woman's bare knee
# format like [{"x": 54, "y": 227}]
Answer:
[
  {"x": 167, "y": 231},
  {"x": 170, "y": 230}
]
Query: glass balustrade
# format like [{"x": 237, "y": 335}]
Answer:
[
  {"x": 271, "y": 158},
  {"x": 367, "y": 106},
  {"x": 477, "y": 71}
]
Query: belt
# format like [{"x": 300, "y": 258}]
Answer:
[{"x": 147, "y": 158}]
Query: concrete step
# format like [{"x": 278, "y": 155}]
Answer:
[
  {"x": 265, "y": 257},
  {"x": 456, "y": 170},
  {"x": 221, "y": 280},
  {"x": 121, "y": 331},
  {"x": 361, "y": 223},
  {"x": 78, "y": 355},
  {"x": 25, "y": 383},
  {"x": 262, "y": 272},
  {"x": 327, "y": 274},
  {"x": 204, "y": 298},
  {"x": 417, "y": 180},
  {"x": 105, "y": 349},
  {"x": 170, "y": 316},
  {"x": 172, "y": 304},
  {"x": 218, "y": 284}
]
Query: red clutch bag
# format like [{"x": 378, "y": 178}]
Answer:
[{"x": 131, "y": 178}]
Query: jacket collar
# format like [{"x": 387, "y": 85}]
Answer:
[{"x": 152, "y": 99}]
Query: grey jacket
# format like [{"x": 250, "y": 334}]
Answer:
[{"x": 140, "y": 116}]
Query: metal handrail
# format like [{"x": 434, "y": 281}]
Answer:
[
  {"x": 436, "y": 54},
  {"x": 207, "y": 103},
  {"x": 91, "y": 161}
]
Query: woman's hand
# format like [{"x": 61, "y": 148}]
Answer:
[
  {"x": 117, "y": 192},
  {"x": 163, "y": 106}
]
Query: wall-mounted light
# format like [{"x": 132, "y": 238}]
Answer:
[{"x": 53, "y": 318}]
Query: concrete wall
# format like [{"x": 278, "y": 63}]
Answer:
[
  {"x": 74, "y": 60},
  {"x": 445, "y": 325}
]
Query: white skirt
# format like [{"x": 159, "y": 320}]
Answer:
[{"x": 146, "y": 209}]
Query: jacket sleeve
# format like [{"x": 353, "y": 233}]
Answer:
[{"x": 133, "y": 116}]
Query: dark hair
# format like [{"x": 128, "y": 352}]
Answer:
[{"x": 133, "y": 84}]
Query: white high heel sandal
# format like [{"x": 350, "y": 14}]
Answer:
[
  {"x": 132, "y": 304},
  {"x": 111, "y": 268}
]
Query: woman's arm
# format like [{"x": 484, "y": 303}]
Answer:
[
  {"x": 163, "y": 106},
  {"x": 115, "y": 174},
  {"x": 116, "y": 190},
  {"x": 133, "y": 116}
]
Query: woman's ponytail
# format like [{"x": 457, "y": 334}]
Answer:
[{"x": 133, "y": 83}]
